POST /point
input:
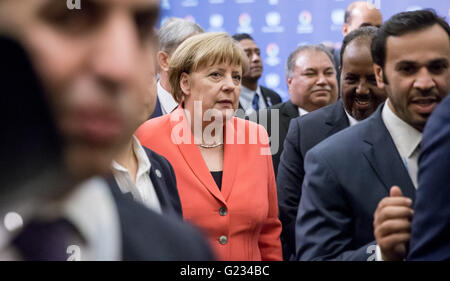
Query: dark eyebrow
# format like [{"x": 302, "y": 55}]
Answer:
[{"x": 440, "y": 60}]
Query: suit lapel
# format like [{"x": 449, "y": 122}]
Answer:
[
  {"x": 287, "y": 112},
  {"x": 384, "y": 157},
  {"x": 230, "y": 160},
  {"x": 337, "y": 119},
  {"x": 192, "y": 155},
  {"x": 116, "y": 189}
]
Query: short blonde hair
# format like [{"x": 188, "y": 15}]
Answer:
[{"x": 200, "y": 51}]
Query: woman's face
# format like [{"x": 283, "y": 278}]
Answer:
[{"x": 216, "y": 88}]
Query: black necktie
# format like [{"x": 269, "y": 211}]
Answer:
[{"x": 45, "y": 241}]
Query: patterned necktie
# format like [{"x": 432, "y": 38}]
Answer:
[
  {"x": 45, "y": 241},
  {"x": 255, "y": 102}
]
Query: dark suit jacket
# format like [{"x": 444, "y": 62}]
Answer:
[
  {"x": 304, "y": 133},
  {"x": 270, "y": 98},
  {"x": 430, "y": 234},
  {"x": 346, "y": 176},
  {"x": 157, "y": 111},
  {"x": 149, "y": 236},
  {"x": 286, "y": 112},
  {"x": 165, "y": 186}
]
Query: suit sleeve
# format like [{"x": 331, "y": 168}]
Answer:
[
  {"x": 431, "y": 223},
  {"x": 324, "y": 225},
  {"x": 289, "y": 181},
  {"x": 269, "y": 238}
]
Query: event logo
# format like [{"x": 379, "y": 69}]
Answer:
[
  {"x": 216, "y": 23},
  {"x": 305, "y": 20},
  {"x": 216, "y": 1},
  {"x": 413, "y": 8},
  {"x": 337, "y": 19},
  {"x": 273, "y": 2},
  {"x": 273, "y": 20},
  {"x": 245, "y": 21},
  {"x": 189, "y": 3},
  {"x": 272, "y": 80},
  {"x": 272, "y": 51},
  {"x": 244, "y": 1},
  {"x": 165, "y": 4}
]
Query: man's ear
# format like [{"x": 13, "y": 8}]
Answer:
[
  {"x": 288, "y": 81},
  {"x": 379, "y": 75},
  {"x": 185, "y": 83},
  {"x": 163, "y": 60},
  {"x": 344, "y": 29}
]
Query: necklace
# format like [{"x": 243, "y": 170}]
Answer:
[{"x": 210, "y": 146}]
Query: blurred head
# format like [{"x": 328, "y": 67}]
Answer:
[
  {"x": 311, "y": 77},
  {"x": 361, "y": 13},
  {"x": 411, "y": 52},
  {"x": 360, "y": 93},
  {"x": 94, "y": 63},
  {"x": 255, "y": 65},
  {"x": 171, "y": 34},
  {"x": 208, "y": 68}
]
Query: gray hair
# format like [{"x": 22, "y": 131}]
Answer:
[
  {"x": 290, "y": 65},
  {"x": 174, "y": 31}
]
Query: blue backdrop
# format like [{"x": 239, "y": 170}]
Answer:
[{"x": 279, "y": 26}]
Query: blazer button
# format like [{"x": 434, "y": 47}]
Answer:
[
  {"x": 158, "y": 173},
  {"x": 223, "y": 211},
  {"x": 223, "y": 240}
]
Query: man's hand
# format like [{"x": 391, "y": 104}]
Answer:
[{"x": 392, "y": 225}]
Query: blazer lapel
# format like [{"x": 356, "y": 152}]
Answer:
[
  {"x": 230, "y": 160},
  {"x": 337, "y": 119},
  {"x": 384, "y": 157},
  {"x": 192, "y": 155}
]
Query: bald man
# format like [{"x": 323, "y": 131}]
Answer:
[
  {"x": 357, "y": 14},
  {"x": 361, "y": 13}
]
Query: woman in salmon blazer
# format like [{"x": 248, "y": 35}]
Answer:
[{"x": 223, "y": 164}]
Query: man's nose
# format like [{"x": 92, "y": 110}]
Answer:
[
  {"x": 115, "y": 50},
  {"x": 424, "y": 80}
]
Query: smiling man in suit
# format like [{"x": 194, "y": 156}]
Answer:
[
  {"x": 360, "y": 98},
  {"x": 356, "y": 172}
]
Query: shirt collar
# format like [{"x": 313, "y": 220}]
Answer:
[
  {"x": 91, "y": 208},
  {"x": 405, "y": 137},
  {"x": 144, "y": 164},
  {"x": 351, "y": 120},
  {"x": 302, "y": 112},
  {"x": 166, "y": 99}
]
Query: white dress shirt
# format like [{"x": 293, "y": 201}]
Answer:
[
  {"x": 168, "y": 103},
  {"x": 407, "y": 140},
  {"x": 302, "y": 112},
  {"x": 143, "y": 190},
  {"x": 246, "y": 99},
  {"x": 92, "y": 210},
  {"x": 352, "y": 121}
]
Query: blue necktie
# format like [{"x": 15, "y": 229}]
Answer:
[{"x": 255, "y": 102}]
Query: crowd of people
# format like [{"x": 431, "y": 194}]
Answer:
[{"x": 128, "y": 142}]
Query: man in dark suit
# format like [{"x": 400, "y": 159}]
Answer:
[
  {"x": 357, "y": 84},
  {"x": 311, "y": 80},
  {"x": 171, "y": 34},
  {"x": 92, "y": 82},
  {"x": 253, "y": 96},
  {"x": 430, "y": 230},
  {"x": 348, "y": 176}
]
